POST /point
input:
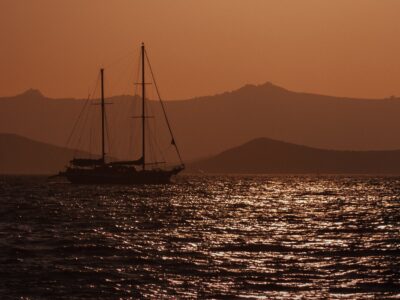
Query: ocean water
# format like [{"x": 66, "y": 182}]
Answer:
[{"x": 216, "y": 237}]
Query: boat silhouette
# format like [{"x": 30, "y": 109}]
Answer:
[{"x": 139, "y": 171}]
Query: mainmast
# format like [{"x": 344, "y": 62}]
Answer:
[
  {"x": 103, "y": 150},
  {"x": 143, "y": 111}
]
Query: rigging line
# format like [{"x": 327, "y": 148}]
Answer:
[
  {"x": 107, "y": 133},
  {"x": 95, "y": 134},
  {"x": 151, "y": 140},
  {"x": 149, "y": 127},
  {"x": 110, "y": 143},
  {"x": 132, "y": 108},
  {"x": 163, "y": 108},
  {"x": 130, "y": 71},
  {"x": 92, "y": 132},
  {"x": 134, "y": 141},
  {"x": 117, "y": 83},
  {"x": 85, "y": 106},
  {"x": 77, "y": 120},
  {"x": 114, "y": 136},
  {"x": 138, "y": 73},
  {"x": 154, "y": 146},
  {"x": 80, "y": 115},
  {"x": 166, "y": 149},
  {"x": 87, "y": 116},
  {"x": 151, "y": 151},
  {"x": 136, "y": 100},
  {"x": 90, "y": 143},
  {"x": 123, "y": 107},
  {"x": 153, "y": 131}
]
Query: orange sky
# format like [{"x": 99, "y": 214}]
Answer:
[{"x": 202, "y": 47}]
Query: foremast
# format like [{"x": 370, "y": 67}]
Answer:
[
  {"x": 103, "y": 148},
  {"x": 143, "y": 117}
]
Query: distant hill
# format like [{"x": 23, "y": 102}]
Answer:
[
  {"x": 19, "y": 155},
  {"x": 269, "y": 156},
  {"x": 208, "y": 125}
]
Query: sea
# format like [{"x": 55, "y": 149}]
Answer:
[{"x": 202, "y": 237}]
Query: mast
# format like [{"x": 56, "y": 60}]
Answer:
[
  {"x": 103, "y": 151},
  {"x": 143, "y": 111},
  {"x": 165, "y": 113}
]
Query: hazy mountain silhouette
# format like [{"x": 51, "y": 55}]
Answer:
[
  {"x": 19, "y": 155},
  {"x": 208, "y": 125},
  {"x": 269, "y": 156}
]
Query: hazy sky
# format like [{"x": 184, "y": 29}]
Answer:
[{"x": 202, "y": 47}]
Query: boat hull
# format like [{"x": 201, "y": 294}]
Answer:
[{"x": 106, "y": 176}]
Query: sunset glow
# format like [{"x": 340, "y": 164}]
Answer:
[{"x": 345, "y": 48}]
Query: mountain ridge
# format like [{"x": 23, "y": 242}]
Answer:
[
  {"x": 207, "y": 125},
  {"x": 20, "y": 155},
  {"x": 23, "y": 156},
  {"x": 267, "y": 156},
  {"x": 268, "y": 85}
]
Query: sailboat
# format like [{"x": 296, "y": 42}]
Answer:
[{"x": 139, "y": 171}]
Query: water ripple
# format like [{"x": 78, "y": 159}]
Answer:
[{"x": 217, "y": 237}]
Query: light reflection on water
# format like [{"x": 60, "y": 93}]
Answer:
[{"x": 203, "y": 237}]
